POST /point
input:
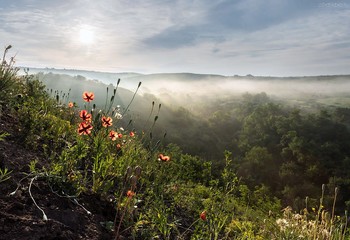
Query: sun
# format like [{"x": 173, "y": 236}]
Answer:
[{"x": 86, "y": 36}]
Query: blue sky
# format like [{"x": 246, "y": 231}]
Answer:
[{"x": 228, "y": 37}]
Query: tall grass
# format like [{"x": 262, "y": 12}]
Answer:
[{"x": 8, "y": 75}]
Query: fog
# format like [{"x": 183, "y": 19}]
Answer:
[
  {"x": 193, "y": 106},
  {"x": 220, "y": 85},
  {"x": 190, "y": 90}
]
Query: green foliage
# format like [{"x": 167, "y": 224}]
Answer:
[
  {"x": 4, "y": 175},
  {"x": 3, "y": 135},
  {"x": 242, "y": 229},
  {"x": 229, "y": 178},
  {"x": 42, "y": 122}
]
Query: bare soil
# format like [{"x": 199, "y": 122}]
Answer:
[{"x": 21, "y": 219}]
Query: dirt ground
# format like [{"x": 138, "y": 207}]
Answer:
[{"x": 21, "y": 219}]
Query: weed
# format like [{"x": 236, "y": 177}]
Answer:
[
  {"x": 3, "y": 136},
  {"x": 4, "y": 175},
  {"x": 8, "y": 76}
]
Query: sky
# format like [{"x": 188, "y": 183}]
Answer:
[{"x": 226, "y": 37}]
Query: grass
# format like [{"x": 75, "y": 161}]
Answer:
[{"x": 157, "y": 191}]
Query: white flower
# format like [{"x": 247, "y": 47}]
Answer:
[
  {"x": 282, "y": 223},
  {"x": 118, "y": 115}
]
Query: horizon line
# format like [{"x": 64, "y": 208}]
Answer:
[{"x": 194, "y": 73}]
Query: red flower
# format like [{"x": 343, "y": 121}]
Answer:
[
  {"x": 163, "y": 158},
  {"x": 130, "y": 194},
  {"x": 106, "y": 121},
  {"x": 113, "y": 135},
  {"x": 85, "y": 116},
  {"x": 84, "y": 128},
  {"x": 88, "y": 96},
  {"x": 70, "y": 104},
  {"x": 203, "y": 215},
  {"x": 120, "y": 135},
  {"x": 132, "y": 134}
]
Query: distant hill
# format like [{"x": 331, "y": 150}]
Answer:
[
  {"x": 190, "y": 89},
  {"x": 204, "y": 84},
  {"x": 104, "y": 77}
]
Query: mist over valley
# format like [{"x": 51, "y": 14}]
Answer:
[{"x": 191, "y": 90}]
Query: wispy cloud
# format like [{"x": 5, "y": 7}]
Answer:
[
  {"x": 272, "y": 37},
  {"x": 227, "y": 17}
]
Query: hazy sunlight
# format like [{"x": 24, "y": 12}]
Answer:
[{"x": 86, "y": 36}]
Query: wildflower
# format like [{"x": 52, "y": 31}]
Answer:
[
  {"x": 118, "y": 115},
  {"x": 130, "y": 194},
  {"x": 70, "y": 104},
  {"x": 120, "y": 135},
  {"x": 132, "y": 134},
  {"x": 203, "y": 215},
  {"x": 119, "y": 146},
  {"x": 113, "y": 135},
  {"x": 88, "y": 96},
  {"x": 282, "y": 223},
  {"x": 163, "y": 158},
  {"x": 297, "y": 217},
  {"x": 106, "y": 121},
  {"x": 85, "y": 116},
  {"x": 84, "y": 128}
]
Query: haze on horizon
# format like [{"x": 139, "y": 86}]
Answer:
[{"x": 262, "y": 38}]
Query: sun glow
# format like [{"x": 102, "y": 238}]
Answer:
[{"x": 86, "y": 36}]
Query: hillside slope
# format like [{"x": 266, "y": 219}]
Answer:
[{"x": 21, "y": 219}]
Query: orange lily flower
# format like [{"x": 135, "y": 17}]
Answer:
[
  {"x": 85, "y": 116},
  {"x": 88, "y": 96},
  {"x": 106, "y": 121},
  {"x": 70, "y": 104},
  {"x": 84, "y": 128},
  {"x": 130, "y": 194},
  {"x": 113, "y": 135}
]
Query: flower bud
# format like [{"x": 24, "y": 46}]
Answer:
[
  {"x": 138, "y": 171},
  {"x": 133, "y": 180},
  {"x": 203, "y": 215},
  {"x": 128, "y": 171}
]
